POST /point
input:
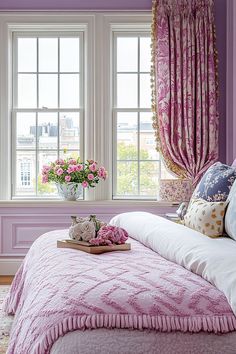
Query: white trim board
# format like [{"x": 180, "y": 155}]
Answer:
[{"x": 10, "y": 266}]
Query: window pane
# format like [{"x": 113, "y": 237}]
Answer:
[
  {"x": 145, "y": 54},
  {"x": 127, "y": 54},
  {"x": 165, "y": 174},
  {"x": 127, "y": 91},
  {"x": 69, "y": 54},
  {"x": 127, "y": 178},
  {"x": 149, "y": 177},
  {"x": 48, "y": 90},
  {"x": 26, "y": 130},
  {"x": 127, "y": 136},
  {"x": 45, "y": 158},
  {"x": 147, "y": 138},
  {"x": 69, "y": 131},
  {"x": 48, "y": 54},
  {"x": 69, "y": 91},
  {"x": 25, "y": 173},
  {"x": 67, "y": 154},
  {"x": 47, "y": 131},
  {"x": 27, "y": 91},
  {"x": 145, "y": 91},
  {"x": 27, "y": 49}
]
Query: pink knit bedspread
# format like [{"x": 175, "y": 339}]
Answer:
[{"x": 60, "y": 290}]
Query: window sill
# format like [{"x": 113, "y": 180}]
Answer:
[{"x": 83, "y": 203}]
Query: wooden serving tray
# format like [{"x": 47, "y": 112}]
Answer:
[{"x": 87, "y": 247}]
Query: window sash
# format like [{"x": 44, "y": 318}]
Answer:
[
  {"x": 138, "y": 110},
  {"x": 96, "y": 112},
  {"x": 37, "y": 110}
]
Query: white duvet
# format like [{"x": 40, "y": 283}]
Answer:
[{"x": 213, "y": 259}]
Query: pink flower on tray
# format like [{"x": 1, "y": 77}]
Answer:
[
  {"x": 90, "y": 176},
  {"x": 67, "y": 178},
  {"x": 59, "y": 171},
  {"x": 109, "y": 235},
  {"x": 85, "y": 184}
]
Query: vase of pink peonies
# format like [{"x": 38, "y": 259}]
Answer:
[{"x": 72, "y": 176}]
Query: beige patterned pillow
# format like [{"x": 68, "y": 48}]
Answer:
[{"x": 206, "y": 217}]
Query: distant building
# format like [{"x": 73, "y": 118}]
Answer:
[{"x": 46, "y": 137}]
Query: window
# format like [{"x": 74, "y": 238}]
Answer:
[
  {"x": 77, "y": 84},
  {"x": 25, "y": 174},
  {"x": 136, "y": 168},
  {"x": 47, "y": 105}
]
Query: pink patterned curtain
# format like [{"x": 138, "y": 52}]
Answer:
[{"x": 185, "y": 90}]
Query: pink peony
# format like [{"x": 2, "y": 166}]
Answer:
[
  {"x": 79, "y": 167},
  {"x": 56, "y": 167},
  {"x": 93, "y": 167},
  {"x": 102, "y": 173},
  {"x": 71, "y": 168},
  {"x": 45, "y": 179},
  {"x": 46, "y": 169},
  {"x": 67, "y": 178},
  {"x": 72, "y": 161},
  {"x": 85, "y": 184},
  {"x": 90, "y": 176},
  {"x": 59, "y": 171},
  {"x": 109, "y": 235},
  {"x": 60, "y": 162}
]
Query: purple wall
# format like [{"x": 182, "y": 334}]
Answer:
[
  {"x": 221, "y": 40},
  {"x": 75, "y": 4},
  {"x": 220, "y": 16},
  {"x": 231, "y": 82}
]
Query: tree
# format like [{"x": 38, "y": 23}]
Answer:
[
  {"x": 127, "y": 172},
  {"x": 46, "y": 188}
]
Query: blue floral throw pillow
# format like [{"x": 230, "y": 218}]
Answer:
[{"x": 216, "y": 183}]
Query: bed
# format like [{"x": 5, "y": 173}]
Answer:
[{"x": 174, "y": 292}]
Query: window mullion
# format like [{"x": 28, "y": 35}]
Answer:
[
  {"x": 36, "y": 147},
  {"x": 138, "y": 116},
  {"x": 36, "y": 156},
  {"x": 58, "y": 98}
]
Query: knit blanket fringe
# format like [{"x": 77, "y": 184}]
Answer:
[{"x": 216, "y": 324}]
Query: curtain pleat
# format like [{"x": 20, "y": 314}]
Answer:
[{"x": 185, "y": 86}]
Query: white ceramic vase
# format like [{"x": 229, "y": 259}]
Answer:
[{"x": 69, "y": 191}]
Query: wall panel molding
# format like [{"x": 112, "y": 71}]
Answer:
[{"x": 21, "y": 225}]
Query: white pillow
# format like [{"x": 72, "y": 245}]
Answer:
[{"x": 230, "y": 216}]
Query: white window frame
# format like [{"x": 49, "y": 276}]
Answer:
[
  {"x": 15, "y": 109},
  {"x": 131, "y": 33},
  {"x": 98, "y": 78}
]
